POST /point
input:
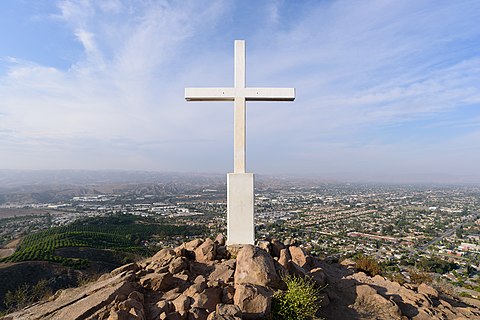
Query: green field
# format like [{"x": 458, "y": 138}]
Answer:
[{"x": 120, "y": 233}]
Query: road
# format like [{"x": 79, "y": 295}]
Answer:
[{"x": 447, "y": 233}]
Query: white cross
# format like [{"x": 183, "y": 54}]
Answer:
[
  {"x": 240, "y": 185},
  {"x": 239, "y": 94}
]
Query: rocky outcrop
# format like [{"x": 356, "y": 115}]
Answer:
[
  {"x": 255, "y": 266},
  {"x": 83, "y": 302},
  {"x": 198, "y": 281},
  {"x": 370, "y": 303},
  {"x": 354, "y": 295}
]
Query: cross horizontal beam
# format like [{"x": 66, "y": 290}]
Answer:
[{"x": 229, "y": 94}]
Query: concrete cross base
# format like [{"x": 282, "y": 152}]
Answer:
[{"x": 240, "y": 207}]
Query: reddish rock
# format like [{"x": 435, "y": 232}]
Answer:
[
  {"x": 207, "y": 299},
  {"x": 181, "y": 303},
  {"x": 234, "y": 249},
  {"x": 318, "y": 275},
  {"x": 172, "y": 316},
  {"x": 181, "y": 279},
  {"x": 255, "y": 266},
  {"x": 172, "y": 294},
  {"x": 120, "y": 315},
  {"x": 298, "y": 256},
  {"x": 427, "y": 290},
  {"x": 265, "y": 245},
  {"x": 222, "y": 272},
  {"x": 295, "y": 269},
  {"x": 129, "y": 304},
  {"x": 227, "y": 294},
  {"x": 149, "y": 290},
  {"x": 255, "y": 302},
  {"x": 128, "y": 267},
  {"x": 220, "y": 240},
  {"x": 228, "y": 310},
  {"x": 222, "y": 252},
  {"x": 164, "y": 256},
  {"x": 177, "y": 265},
  {"x": 370, "y": 301},
  {"x": 154, "y": 310},
  {"x": 284, "y": 257},
  {"x": 136, "y": 296},
  {"x": 206, "y": 251},
  {"x": 136, "y": 314},
  {"x": 197, "y": 314},
  {"x": 194, "y": 244},
  {"x": 158, "y": 281},
  {"x": 195, "y": 288},
  {"x": 199, "y": 279}
]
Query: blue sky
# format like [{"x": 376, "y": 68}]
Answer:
[{"x": 383, "y": 87}]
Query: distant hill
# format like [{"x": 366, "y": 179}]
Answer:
[{"x": 56, "y": 186}]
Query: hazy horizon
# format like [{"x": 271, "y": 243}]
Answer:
[
  {"x": 386, "y": 91},
  {"x": 10, "y": 177}
]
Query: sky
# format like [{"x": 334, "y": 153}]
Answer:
[{"x": 383, "y": 88}]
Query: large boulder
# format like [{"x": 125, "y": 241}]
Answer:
[
  {"x": 369, "y": 301},
  {"x": 318, "y": 275},
  {"x": 206, "y": 251},
  {"x": 299, "y": 257},
  {"x": 164, "y": 256},
  {"x": 181, "y": 303},
  {"x": 284, "y": 257},
  {"x": 255, "y": 266},
  {"x": 79, "y": 303},
  {"x": 158, "y": 281},
  {"x": 208, "y": 299},
  {"x": 427, "y": 290},
  {"x": 222, "y": 272},
  {"x": 226, "y": 312},
  {"x": 178, "y": 264},
  {"x": 124, "y": 269},
  {"x": 254, "y": 301},
  {"x": 194, "y": 244}
]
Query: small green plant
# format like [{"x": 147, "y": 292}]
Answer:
[{"x": 299, "y": 302}]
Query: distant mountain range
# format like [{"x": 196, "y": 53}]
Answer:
[{"x": 21, "y": 178}]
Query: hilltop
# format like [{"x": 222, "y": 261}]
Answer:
[{"x": 204, "y": 279}]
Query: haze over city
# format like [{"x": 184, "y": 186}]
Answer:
[{"x": 385, "y": 90}]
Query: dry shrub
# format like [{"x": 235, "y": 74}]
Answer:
[
  {"x": 368, "y": 265},
  {"x": 418, "y": 277}
]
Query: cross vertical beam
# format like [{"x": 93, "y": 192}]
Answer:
[
  {"x": 239, "y": 134},
  {"x": 240, "y": 62},
  {"x": 239, "y": 127}
]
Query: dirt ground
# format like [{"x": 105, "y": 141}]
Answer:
[
  {"x": 6, "y": 252},
  {"x": 9, "y": 248}
]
